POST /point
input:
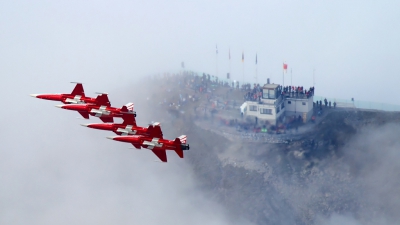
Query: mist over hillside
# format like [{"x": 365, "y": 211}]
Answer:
[
  {"x": 348, "y": 174},
  {"x": 64, "y": 173},
  {"x": 341, "y": 170}
]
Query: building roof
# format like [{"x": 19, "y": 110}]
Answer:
[{"x": 270, "y": 86}]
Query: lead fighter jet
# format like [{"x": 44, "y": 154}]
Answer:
[
  {"x": 100, "y": 109},
  {"x": 155, "y": 142},
  {"x": 77, "y": 96},
  {"x": 128, "y": 127}
]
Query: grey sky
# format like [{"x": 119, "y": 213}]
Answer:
[{"x": 352, "y": 45}]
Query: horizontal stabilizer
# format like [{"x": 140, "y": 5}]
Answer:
[
  {"x": 155, "y": 124},
  {"x": 101, "y": 93}
]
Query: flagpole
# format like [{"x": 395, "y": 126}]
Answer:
[
  {"x": 216, "y": 60},
  {"x": 243, "y": 74},
  {"x": 283, "y": 72},
  {"x": 243, "y": 67},
  {"x": 313, "y": 77},
  {"x": 216, "y": 64},
  {"x": 256, "y": 70},
  {"x": 230, "y": 75},
  {"x": 256, "y": 75},
  {"x": 291, "y": 76}
]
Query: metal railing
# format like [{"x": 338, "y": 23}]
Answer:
[{"x": 348, "y": 103}]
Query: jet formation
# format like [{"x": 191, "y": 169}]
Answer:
[{"x": 150, "y": 137}]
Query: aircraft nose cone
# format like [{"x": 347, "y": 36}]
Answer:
[
  {"x": 59, "y": 106},
  {"x": 85, "y": 125},
  {"x": 111, "y": 138},
  {"x": 33, "y": 95}
]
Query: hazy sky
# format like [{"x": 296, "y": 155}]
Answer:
[
  {"x": 46, "y": 158},
  {"x": 353, "y": 46}
]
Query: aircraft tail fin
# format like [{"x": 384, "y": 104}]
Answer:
[
  {"x": 183, "y": 138},
  {"x": 78, "y": 90},
  {"x": 181, "y": 145},
  {"x": 103, "y": 100},
  {"x": 154, "y": 131},
  {"x": 128, "y": 108},
  {"x": 129, "y": 119}
]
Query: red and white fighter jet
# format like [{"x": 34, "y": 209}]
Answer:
[
  {"x": 100, "y": 109},
  {"x": 155, "y": 142},
  {"x": 128, "y": 127},
  {"x": 77, "y": 96}
]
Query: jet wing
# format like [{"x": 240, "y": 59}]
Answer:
[
  {"x": 136, "y": 146},
  {"x": 161, "y": 154},
  {"x": 84, "y": 114},
  {"x": 107, "y": 119}
]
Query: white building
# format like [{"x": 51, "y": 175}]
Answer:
[
  {"x": 299, "y": 106},
  {"x": 273, "y": 106},
  {"x": 270, "y": 107}
]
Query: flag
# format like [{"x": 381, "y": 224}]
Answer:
[
  {"x": 256, "y": 58},
  {"x": 216, "y": 48},
  {"x": 285, "y": 67},
  {"x": 242, "y": 56}
]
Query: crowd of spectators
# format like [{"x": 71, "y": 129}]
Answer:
[
  {"x": 206, "y": 87},
  {"x": 252, "y": 94},
  {"x": 297, "y": 91}
]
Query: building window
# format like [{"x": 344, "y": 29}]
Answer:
[
  {"x": 289, "y": 102},
  {"x": 252, "y": 107},
  {"x": 269, "y": 93},
  {"x": 283, "y": 105},
  {"x": 303, "y": 103},
  {"x": 265, "y": 93},
  {"x": 266, "y": 111}
]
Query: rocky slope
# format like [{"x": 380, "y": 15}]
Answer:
[{"x": 344, "y": 169}]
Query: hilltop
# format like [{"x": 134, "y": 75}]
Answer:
[{"x": 312, "y": 173}]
